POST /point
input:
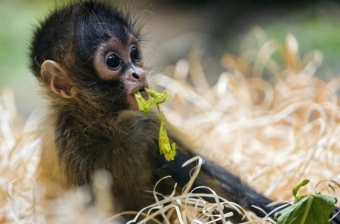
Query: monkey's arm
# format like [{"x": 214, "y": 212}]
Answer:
[{"x": 223, "y": 182}]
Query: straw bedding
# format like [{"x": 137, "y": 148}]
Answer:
[{"x": 269, "y": 118}]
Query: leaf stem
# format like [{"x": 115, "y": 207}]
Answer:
[{"x": 309, "y": 204}]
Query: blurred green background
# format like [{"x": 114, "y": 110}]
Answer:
[
  {"x": 172, "y": 28},
  {"x": 16, "y": 25}
]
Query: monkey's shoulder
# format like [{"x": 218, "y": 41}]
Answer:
[{"x": 130, "y": 134}]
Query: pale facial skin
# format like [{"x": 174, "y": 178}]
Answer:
[{"x": 114, "y": 61}]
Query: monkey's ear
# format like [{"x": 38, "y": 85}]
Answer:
[{"x": 54, "y": 74}]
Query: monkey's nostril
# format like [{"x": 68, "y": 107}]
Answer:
[{"x": 134, "y": 75}]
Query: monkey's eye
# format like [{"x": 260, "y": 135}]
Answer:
[
  {"x": 113, "y": 61},
  {"x": 135, "y": 54}
]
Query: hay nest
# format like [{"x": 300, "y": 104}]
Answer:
[{"x": 272, "y": 132}]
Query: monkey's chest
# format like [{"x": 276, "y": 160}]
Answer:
[
  {"x": 133, "y": 174},
  {"x": 129, "y": 157}
]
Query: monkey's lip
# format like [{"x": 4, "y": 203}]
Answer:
[
  {"x": 143, "y": 92},
  {"x": 131, "y": 97},
  {"x": 141, "y": 89}
]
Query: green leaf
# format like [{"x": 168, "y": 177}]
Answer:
[
  {"x": 169, "y": 151},
  {"x": 165, "y": 148},
  {"x": 297, "y": 188},
  {"x": 307, "y": 209},
  {"x": 158, "y": 97},
  {"x": 143, "y": 105}
]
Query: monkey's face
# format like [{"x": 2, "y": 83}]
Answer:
[
  {"x": 115, "y": 61},
  {"x": 89, "y": 55},
  {"x": 117, "y": 72}
]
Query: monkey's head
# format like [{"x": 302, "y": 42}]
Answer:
[{"x": 88, "y": 55}]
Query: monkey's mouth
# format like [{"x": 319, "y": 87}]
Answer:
[
  {"x": 131, "y": 97},
  {"x": 143, "y": 92}
]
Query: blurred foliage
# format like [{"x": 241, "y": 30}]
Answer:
[
  {"x": 18, "y": 18},
  {"x": 316, "y": 27},
  {"x": 17, "y": 22}
]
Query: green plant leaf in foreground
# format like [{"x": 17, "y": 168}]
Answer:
[
  {"x": 165, "y": 148},
  {"x": 158, "y": 97},
  {"x": 307, "y": 209},
  {"x": 143, "y": 105}
]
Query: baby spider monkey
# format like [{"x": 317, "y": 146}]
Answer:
[{"x": 88, "y": 59}]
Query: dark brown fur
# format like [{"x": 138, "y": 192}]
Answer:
[{"x": 126, "y": 147}]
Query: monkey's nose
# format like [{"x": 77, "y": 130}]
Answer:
[{"x": 138, "y": 75}]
